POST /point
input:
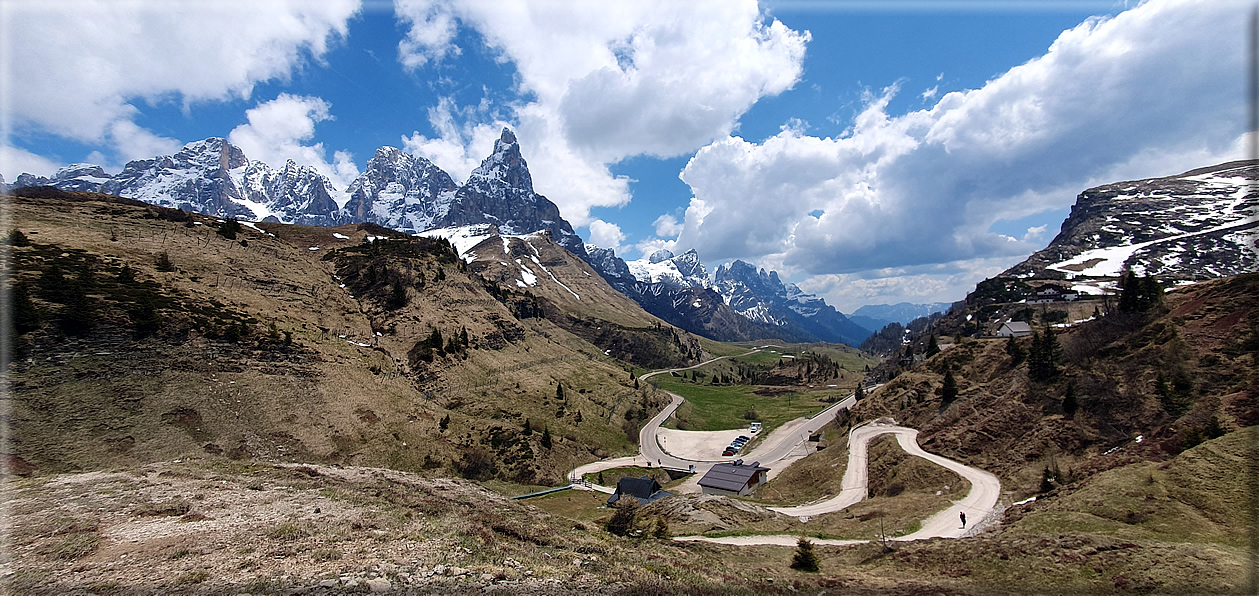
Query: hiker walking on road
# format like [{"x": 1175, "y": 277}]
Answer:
[{"x": 962, "y": 514}]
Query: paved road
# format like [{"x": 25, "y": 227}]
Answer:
[
  {"x": 778, "y": 445},
  {"x": 977, "y": 504}
]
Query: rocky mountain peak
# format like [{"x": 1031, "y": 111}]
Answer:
[
  {"x": 661, "y": 255},
  {"x": 1198, "y": 225},
  {"x": 505, "y": 165}
]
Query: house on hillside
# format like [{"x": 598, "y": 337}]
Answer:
[
  {"x": 1050, "y": 294},
  {"x": 1015, "y": 329},
  {"x": 644, "y": 490},
  {"x": 733, "y": 478}
]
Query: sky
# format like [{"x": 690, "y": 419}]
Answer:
[{"x": 870, "y": 151}]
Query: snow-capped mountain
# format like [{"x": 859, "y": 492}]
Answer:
[
  {"x": 762, "y": 297},
  {"x": 742, "y": 304},
  {"x": 1198, "y": 225},
  {"x": 500, "y": 192},
  {"x": 78, "y": 176},
  {"x": 397, "y": 190},
  {"x": 401, "y": 191},
  {"x": 605, "y": 261},
  {"x": 681, "y": 271},
  {"x": 214, "y": 177}
]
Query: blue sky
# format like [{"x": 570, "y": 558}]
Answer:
[{"x": 872, "y": 152}]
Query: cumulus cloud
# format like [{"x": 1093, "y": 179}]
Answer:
[
  {"x": 667, "y": 226},
  {"x": 431, "y": 29},
  {"x": 275, "y": 132},
  {"x": 15, "y": 161},
  {"x": 83, "y": 71},
  {"x": 607, "y": 235},
  {"x": 134, "y": 142},
  {"x": 919, "y": 285},
  {"x": 465, "y": 136},
  {"x": 1111, "y": 99},
  {"x": 606, "y": 81}
]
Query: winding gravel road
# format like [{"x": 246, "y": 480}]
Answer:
[{"x": 977, "y": 504}]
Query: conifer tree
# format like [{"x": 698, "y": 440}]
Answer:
[
  {"x": 1069, "y": 404},
  {"x": 805, "y": 559},
  {"x": 25, "y": 314},
  {"x": 546, "y": 438},
  {"x": 624, "y": 521},
  {"x": 1016, "y": 352},
  {"x": 933, "y": 346},
  {"x": 949, "y": 391},
  {"x": 1042, "y": 359},
  {"x": 661, "y": 531}
]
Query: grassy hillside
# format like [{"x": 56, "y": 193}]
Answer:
[
  {"x": 146, "y": 334},
  {"x": 773, "y": 386},
  {"x": 1175, "y": 375}
]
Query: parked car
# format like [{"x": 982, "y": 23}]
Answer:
[
  {"x": 755, "y": 428},
  {"x": 735, "y": 448},
  {"x": 728, "y": 452},
  {"x": 744, "y": 438}
]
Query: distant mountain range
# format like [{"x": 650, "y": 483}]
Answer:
[
  {"x": 397, "y": 190},
  {"x": 411, "y": 194},
  {"x": 1197, "y": 225},
  {"x": 877, "y": 316}
]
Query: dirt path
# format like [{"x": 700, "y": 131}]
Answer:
[
  {"x": 977, "y": 504},
  {"x": 689, "y": 449}
]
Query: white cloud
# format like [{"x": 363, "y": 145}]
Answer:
[
  {"x": 276, "y": 130},
  {"x": 15, "y": 161},
  {"x": 606, "y": 235},
  {"x": 651, "y": 245},
  {"x": 81, "y": 67},
  {"x": 667, "y": 226},
  {"x": 606, "y": 81},
  {"x": 1035, "y": 233},
  {"x": 430, "y": 33},
  {"x": 464, "y": 138},
  {"x": 930, "y": 94},
  {"x": 936, "y": 283},
  {"x": 1156, "y": 90},
  {"x": 133, "y": 142}
]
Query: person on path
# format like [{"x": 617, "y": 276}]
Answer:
[{"x": 962, "y": 514}]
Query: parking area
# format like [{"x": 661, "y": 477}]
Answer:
[{"x": 698, "y": 445}]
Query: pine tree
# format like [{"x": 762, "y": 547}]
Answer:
[
  {"x": 859, "y": 394},
  {"x": 397, "y": 294},
  {"x": 126, "y": 275},
  {"x": 546, "y": 438},
  {"x": 933, "y": 346},
  {"x": 528, "y": 428},
  {"x": 805, "y": 559},
  {"x": 559, "y": 391},
  {"x": 164, "y": 263},
  {"x": 624, "y": 521},
  {"x": 1016, "y": 352},
  {"x": 229, "y": 228},
  {"x": 445, "y": 423},
  {"x": 661, "y": 531},
  {"x": 26, "y": 316},
  {"x": 1069, "y": 404},
  {"x": 949, "y": 391},
  {"x": 1042, "y": 360}
]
